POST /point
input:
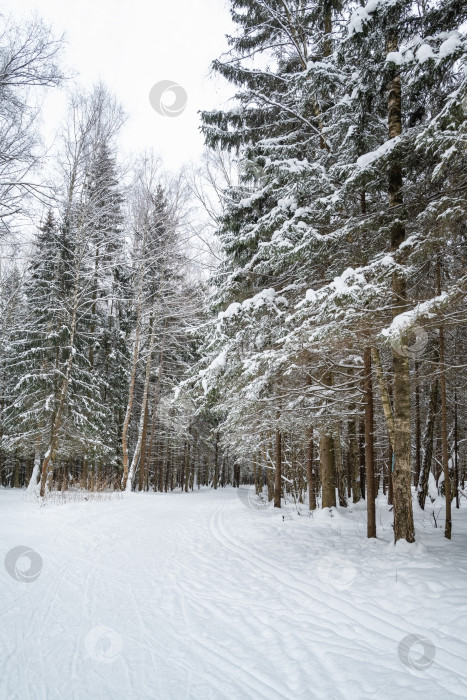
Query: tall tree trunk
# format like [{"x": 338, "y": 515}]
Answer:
[
  {"x": 354, "y": 468},
  {"x": 49, "y": 457},
  {"x": 142, "y": 461},
  {"x": 422, "y": 489},
  {"x": 418, "y": 438},
  {"x": 402, "y": 474},
  {"x": 129, "y": 407},
  {"x": 326, "y": 458},
  {"x": 353, "y": 463},
  {"x": 309, "y": 470},
  {"x": 223, "y": 473},
  {"x": 361, "y": 455},
  {"x": 35, "y": 471},
  {"x": 444, "y": 421},
  {"x": 390, "y": 484},
  {"x": 339, "y": 470},
  {"x": 216, "y": 462},
  {"x": 369, "y": 449},
  {"x": 147, "y": 377},
  {"x": 328, "y": 476},
  {"x": 456, "y": 450},
  {"x": 16, "y": 472},
  {"x": 384, "y": 393},
  {"x": 278, "y": 469}
]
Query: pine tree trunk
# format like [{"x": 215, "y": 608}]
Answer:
[
  {"x": 456, "y": 450},
  {"x": 326, "y": 459},
  {"x": 129, "y": 407},
  {"x": 216, "y": 462},
  {"x": 402, "y": 474},
  {"x": 49, "y": 457},
  {"x": 361, "y": 455},
  {"x": 278, "y": 470},
  {"x": 384, "y": 393},
  {"x": 418, "y": 439},
  {"x": 354, "y": 467},
  {"x": 142, "y": 461},
  {"x": 339, "y": 470},
  {"x": 16, "y": 472},
  {"x": 369, "y": 449},
  {"x": 328, "y": 476},
  {"x": 422, "y": 489},
  {"x": 147, "y": 377},
  {"x": 35, "y": 471},
  {"x": 309, "y": 470},
  {"x": 390, "y": 484},
  {"x": 223, "y": 475},
  {"x": 444, "y": 436},
  {"x": 187, "y": 467}
]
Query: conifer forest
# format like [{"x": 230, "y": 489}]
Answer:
[{"x": 233, "y": 391}]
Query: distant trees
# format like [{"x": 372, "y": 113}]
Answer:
[{"x": 102, "y": 300}]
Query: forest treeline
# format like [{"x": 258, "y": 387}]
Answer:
[{"x": 324, "y": 357}]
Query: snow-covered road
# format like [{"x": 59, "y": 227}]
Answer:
[{"x": 197, "y": 595}]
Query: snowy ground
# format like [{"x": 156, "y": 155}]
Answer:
[{"x": 201, "y": 596}]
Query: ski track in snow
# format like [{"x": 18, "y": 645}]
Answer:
[{"x": 198, "y": 596}]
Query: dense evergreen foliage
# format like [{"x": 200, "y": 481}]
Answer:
[{"x": 325, "y": 356}]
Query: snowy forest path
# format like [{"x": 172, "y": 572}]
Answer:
[{"x": 200, "y": 596}]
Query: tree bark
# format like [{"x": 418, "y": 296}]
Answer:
[
  {"x": 361, "y": 454},
  {"x": 456, "y": 450},
  {"x": 422, "y": 489},
  {"x": 278, "y": 470},
  {"x": 129, "y": 407},
  {"x": 369, "y": 449},
  {"x": 444, "y": 436},
  {"x": 418, "y": 439},
  {"x": 339, "y": 470},
  {"x": 384, "y": 393},
  {"x": 390, "y": 484},
  {"x": 142, "y": 461},
  {"x": 309, "y": 471},
  {"x": 353, "y": 461},
  {"x": 402, "y": 474},
  {"x": 216, "y": 462},
  {"x": 49, "y": 457},
  {"x": 35, "y": 471},
  {"x": 326, "y": 458}
]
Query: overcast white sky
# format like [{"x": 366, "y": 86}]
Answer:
[{"x": 133, "y": 44}]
